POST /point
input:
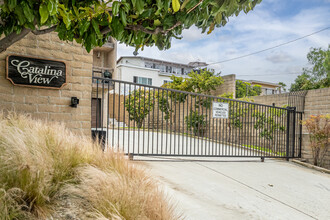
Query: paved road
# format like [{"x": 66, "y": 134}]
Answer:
[{"x": 243, "y": 188}]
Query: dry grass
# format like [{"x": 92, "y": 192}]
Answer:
[{"x": 45, "y": 169}]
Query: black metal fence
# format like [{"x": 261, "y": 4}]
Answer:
[{"x": 146, "y": 120}]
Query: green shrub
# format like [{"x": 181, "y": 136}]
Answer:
[
  {"x": 164, "y": 105},
  {"x": 196, "y": 123},
  {"x": 318, "y": 127},
  {"x": 139, "y": 104}
]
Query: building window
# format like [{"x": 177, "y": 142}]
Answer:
[
  {"x": 168, "y": 69},
  {"x": 148, "y": 65},
  {"x": 142, "y": 80},
  {"x": 167, "y": 81}
]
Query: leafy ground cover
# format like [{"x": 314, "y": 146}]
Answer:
[{"x": 266, "y": 150}]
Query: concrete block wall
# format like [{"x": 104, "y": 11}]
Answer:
[
  {"x": 51, "y": 104},
  {"x": 228, "y": 86}
]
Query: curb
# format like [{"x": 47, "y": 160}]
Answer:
[{"x": 323, "y": 170}]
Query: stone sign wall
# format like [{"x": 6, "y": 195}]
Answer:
[{"x": 45, "y": 103}]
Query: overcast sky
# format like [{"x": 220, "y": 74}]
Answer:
[{"x": 271, "y": 23}]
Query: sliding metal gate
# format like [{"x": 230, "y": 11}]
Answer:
[{"x": 146, "y": 120}]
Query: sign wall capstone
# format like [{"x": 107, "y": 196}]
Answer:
[{"x": 35, "y": 72}]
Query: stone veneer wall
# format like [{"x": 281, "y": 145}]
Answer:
[
  {"x": 51, "y": 104},
  {"x": 316, "y": 102}
]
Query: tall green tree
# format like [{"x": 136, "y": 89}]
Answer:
[
  {"x": 136, "y": 23},
  {"x": 317, "y": 76},
  {"x": 245, "y": 89},
  {"x": 203, "y": 81}
]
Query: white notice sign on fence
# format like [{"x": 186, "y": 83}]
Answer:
[{"x": 220, "y": 110}]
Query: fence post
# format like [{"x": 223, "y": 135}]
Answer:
[
  {"x": 288, "y": 132},
  {"x": 300, "y": 134},
  {"x": 293, "y": 130}
]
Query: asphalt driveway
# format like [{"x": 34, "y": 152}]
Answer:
[{"x": 229, "y": 188}]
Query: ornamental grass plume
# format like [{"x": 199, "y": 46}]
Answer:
[
  {"x": 47, "y": 172},
  {"x": 318, "y": 127}
]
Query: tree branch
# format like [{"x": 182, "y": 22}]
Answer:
[
  {"x": 44, "y": 31},
  {"x": 12, "y": 38},
  {"x": 193, "y": 8},
  {"x": 158, "y": 30},
  {"x": 105, "y": 30}
]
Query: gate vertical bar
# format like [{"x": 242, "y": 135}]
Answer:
[
  {"x": 97, "y": 102},
  {"x": 129, "y": 119},
  {"x": 300, "y": 135},
  {"x": 144, "y": 123},
  {"x": 119, "y": 88},
  {"x": 288, "y": 132},
  {"x": 293, "y": 130},
  {"x": 149, "y": 94},
  {"x": 113, "y": 114},
  {"x": 124, "y": 118},
  {"x": 108, "y": 111}
]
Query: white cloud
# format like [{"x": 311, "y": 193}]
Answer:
[
  {"x": 280, "y": 57},
  {"x": 245, "y": 34}
]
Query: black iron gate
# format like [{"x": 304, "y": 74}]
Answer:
[{"x": 146, "y": 120}]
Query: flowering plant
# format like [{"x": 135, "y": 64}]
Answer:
[{"x": 318, "y": 127}]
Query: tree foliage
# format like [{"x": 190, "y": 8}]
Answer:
[
  {"x": 283, "y": 86},
  {"x": 267, "y": 122},
  {"x": 163, "y": 104},
  {"x": 203, "y": 81},
  {"x": 139, "y": 104},
  {"x": 136, "y": 23},
  {"x": 244, "y": 89},
  {"x": 317, "y": 76},
  {"x": 196, "y": 122}
]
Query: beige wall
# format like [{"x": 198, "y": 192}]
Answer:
[
  {"x": 51, "y": 104},
  {"x": 316, "y": 102},
  {"x": 228, "y": 86}
]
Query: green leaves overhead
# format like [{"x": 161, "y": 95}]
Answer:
[
  {"x": 52, "y": 7},
  {"x": 43, "y": 10},
  {"x": 137, "y": 23},
  {"x": 175, "y": 5},
  {"x": 12, "y": 4},
  {"x": 28, "y": 12},
  {"x": 115, "y": 7},
  {"x": 139, "y": 6}
]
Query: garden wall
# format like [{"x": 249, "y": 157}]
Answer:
[
  {"x": 51, "y": 104},
  {"x": 228, "y": 86},
  {"x": 316, "y": 102}
]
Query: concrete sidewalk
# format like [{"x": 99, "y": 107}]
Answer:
[{"x": 234, "y": 188}]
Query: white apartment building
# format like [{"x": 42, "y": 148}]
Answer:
[{"x": 149, "y": 71}]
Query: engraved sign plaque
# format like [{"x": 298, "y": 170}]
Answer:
[{"x": 35, "y": 72}]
